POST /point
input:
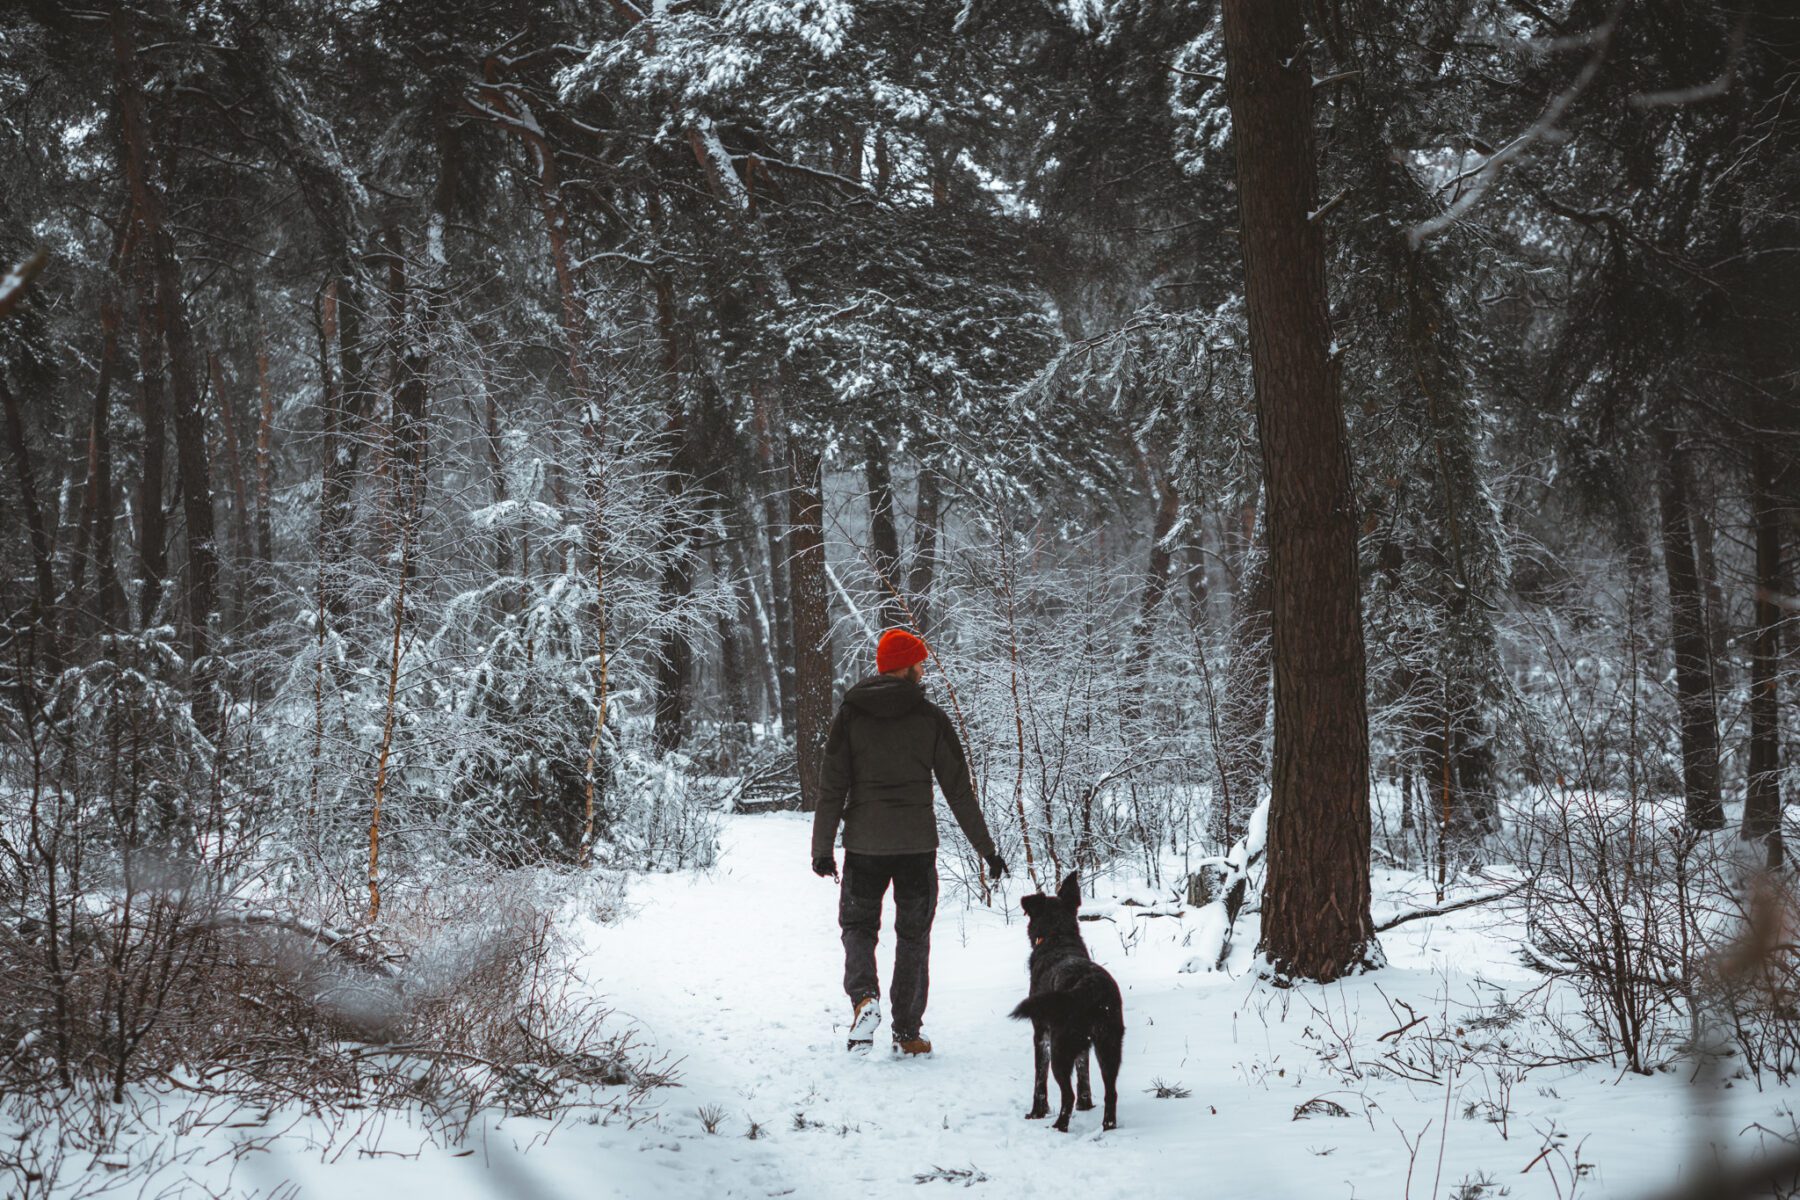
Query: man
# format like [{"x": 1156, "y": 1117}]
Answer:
[{"x": 885, "y": 745}]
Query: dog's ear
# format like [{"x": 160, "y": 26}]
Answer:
[
  {"x": 1070, "y": 891},
  {"x": 1031, "y": 904}
]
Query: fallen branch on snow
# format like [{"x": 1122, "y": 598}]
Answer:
[{"x": 1439, "y": 910}]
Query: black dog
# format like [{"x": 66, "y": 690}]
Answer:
[{"x": 1073, "y": 1004}]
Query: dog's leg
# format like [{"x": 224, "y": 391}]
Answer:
[
  {"x": 1040, "y": 1065},
  {"x": 1062, "y": 1063},
  {"x": 1084, "y": 1095},
  {"x": 1109, "y": 1048}
]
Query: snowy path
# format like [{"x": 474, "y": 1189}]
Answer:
[
  {"x": 738, "y": 972},
  {"x": 735, "y": 973}
]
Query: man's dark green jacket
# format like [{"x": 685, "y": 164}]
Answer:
[{"x": 885, "y": 745}]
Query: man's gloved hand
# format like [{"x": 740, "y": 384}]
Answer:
[
  {"x": 996, "y": 866},
  {"x": 825, "y": 866}
]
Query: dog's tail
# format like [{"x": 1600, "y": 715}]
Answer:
[
  {"x": 1087, "y": 996},
  {"x": 1048, "y": 1006}
]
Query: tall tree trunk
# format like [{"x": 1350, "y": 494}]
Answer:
[
  {"x": 675, "y": 655},
  {"x": 240, "y": 492},
  {"x": 38, "y": 533},
  {"x": 265, "y": 466},
  {"x": 1718, "y": 621},
  {"x": 744, "y": 565},
  {"x": 490, "y": 427},
  {"x": 193, "y": 469},
  {"x": 330, "y": 194},
  {"x": 152, "y": 523},
  {"x": 1316, "y": 922},
  {"x": 884, "y": 536},
  {"x": 411, "y": 374},
  {"x": 927, "y": 520},
  {"x": 734, "y": 665},
  {"x": 1687, "y": 636},
  {"x": 806, "y": 532},
  {"x": 1156, "y": 585},
  {"x": 1762, "y": 797},
  {"x": 338, "y": 344},
  {"x": 776, "y": 503},
  {"x": 94, "y": 535},
  {"x": 190, "y": 421},
  {"x": 812, "y": 622},
  {"x": 675, "y": 660}
]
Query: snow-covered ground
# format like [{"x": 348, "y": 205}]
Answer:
[{"x": 735, "y": 973}]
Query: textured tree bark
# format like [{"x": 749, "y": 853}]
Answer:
[
  {"x": 193, "y": 467},
  {"x": 1316, "y": 921},
  {"x": 1762, "y": 796},
  {"x": 44, "y": 574},
  {"x": 927, "y": 519},
  {"x": 94, "y": 534},
  {"x": 152, "y": 522},
  {"x": 884, "y": 535},
  {"x": 191, "y": 461},
  {"x": 1687, "y": 636},
  {"x": 812, "y": 622},
  {"x": 240, "y": 492}
]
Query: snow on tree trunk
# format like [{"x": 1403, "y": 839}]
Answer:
[{"x": 1217, "y": 921}]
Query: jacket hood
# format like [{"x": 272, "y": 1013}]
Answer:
[{"x": 885, "y": 696}]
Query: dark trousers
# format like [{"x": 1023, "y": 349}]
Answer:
[{"x": 866, "y": 879}]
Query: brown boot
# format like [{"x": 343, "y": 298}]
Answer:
[
  {"x": 909, "y": 1046},
  {"x": 864, "y": 1019}
]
